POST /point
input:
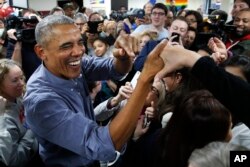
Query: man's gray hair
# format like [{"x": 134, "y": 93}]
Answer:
[
  {"x": 80, "y": 16},
  {"x": 44, "y": 29}
]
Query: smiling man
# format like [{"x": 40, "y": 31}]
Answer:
[
  {"x": 240, "y": 43},
  {"x": 158, "y": 17},
  {"x": 57, "y": 101}
]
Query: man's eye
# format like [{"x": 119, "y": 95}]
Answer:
[
  {"x": 66, "y": 46},
  {"x": 81, "y": 43}
]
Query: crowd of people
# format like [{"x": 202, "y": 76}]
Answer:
[{"x": 160, "y": 87}]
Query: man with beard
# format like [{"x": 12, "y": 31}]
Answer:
[
  {"x": 240, "y": 40},
  {"x": 240, "y": 43}
]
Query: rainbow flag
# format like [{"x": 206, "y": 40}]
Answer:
[
  {"x": 92, "y": 2},
  {"x": 178, "y": 3}
]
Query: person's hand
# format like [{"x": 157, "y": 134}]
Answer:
[
  {"x": 150, "y": 111},
  {"x": 154, "y": 63},
  {"x": 11, "y": 34},
  {"x": 216, "y": 45},
  {"x": 125, "y": 91},
  {"x": 100, "y": 27},
  {"x": 218, "y": 57},
  {"x": 176, "y": 57},
  {"x": 2, "y": 104},
  {"x": 172, "y": 42},
  {"x": 84, "y": 28},
  {"x": 139, "y": 130},
  {"x": 126, "y": 46}
]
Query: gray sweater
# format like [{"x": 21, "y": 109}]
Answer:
[{"x": 17, "y": 143}]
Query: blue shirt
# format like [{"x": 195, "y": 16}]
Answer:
[
  {"x": 141, "y": 58},
  {"x": 61, "y": 115}
]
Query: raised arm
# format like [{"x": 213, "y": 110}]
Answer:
[
  {"x": 123, "y": 125},
  {"x": 231, "y": 91}
]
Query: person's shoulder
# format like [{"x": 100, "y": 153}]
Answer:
[
  {"x": 141, "y": 28},
  {"x": 153, "y": 43},
  {"x": 246, "y": 41}
]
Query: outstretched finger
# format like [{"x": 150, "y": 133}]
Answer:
[{"x": 125, "y": 43}]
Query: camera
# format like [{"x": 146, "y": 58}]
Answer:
[
  {"x": 218, "y": 26},
  {"x": 131, "y": 15},
  {"x": 118, "y": 16},
  {"x": 22, "y": 34},
  {"x": 214, "y": 27}
]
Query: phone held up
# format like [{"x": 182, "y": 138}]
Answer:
[
  {"x": 93, "y": 26},
  {"x": 146, "y": 121},
  {"x": 135, "y": 78},
  {"x": 177, "y": 38}
]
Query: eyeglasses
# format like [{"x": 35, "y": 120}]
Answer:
[
  {"x": 158, "y": 13},
  {"x": 155, "y": 91}
]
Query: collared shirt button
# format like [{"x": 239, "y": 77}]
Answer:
[{"x": 72, "y": 89}]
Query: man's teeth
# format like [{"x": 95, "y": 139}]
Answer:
[{"x": 74, "y": 63}]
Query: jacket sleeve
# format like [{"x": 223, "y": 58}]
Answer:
[
  {"x": 141, "y": 58},
  {"x": 230, "y": 90},
  {"x": 16, "y": 150},
  {"x": 102, "y": 112}
]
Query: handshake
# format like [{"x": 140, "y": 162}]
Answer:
[{"x": 165, "y": 58}]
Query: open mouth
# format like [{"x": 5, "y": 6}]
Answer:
[{"x": 75, "y": 63}]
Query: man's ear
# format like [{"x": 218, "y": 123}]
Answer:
[{"x": 40, "y": 52}]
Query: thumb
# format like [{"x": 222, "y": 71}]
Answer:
[
  {"x": 153, "y": 104},
  {"x": 161, "y": 74},
  {"x": 118, "y": 52},
  {"x": 216, "y": 39}
]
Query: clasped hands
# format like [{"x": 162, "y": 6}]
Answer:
[{"x": 163, "y": 59}]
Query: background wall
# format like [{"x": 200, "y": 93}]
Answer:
[{"x": 42, "y": 5}]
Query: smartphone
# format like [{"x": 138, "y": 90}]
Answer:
[
  {"x": 146, "y": 121},
  {"x": 177, "y": 38},
  {"x": 135, "y": 78},
  {"x": 93, "y": 26}
]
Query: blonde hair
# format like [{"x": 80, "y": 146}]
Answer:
[
  {"x": 153, "y": 35},
  {"x": 5, "y": 66},
  {"x": 107, "y": 23},
  {"x": 162, "y": 93}
]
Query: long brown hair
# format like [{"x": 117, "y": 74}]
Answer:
[{"x": 198, "y": 120}]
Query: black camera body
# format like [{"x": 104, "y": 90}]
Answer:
[
  {"x": 26, "y": 35},
  {"x": 219, "y": 27},
  {"x": 131, "y": 14},
  {"x": 22, "y": 34},
  {"x": 118, "y": 16},
  {"x": 215, "y": 27}
]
